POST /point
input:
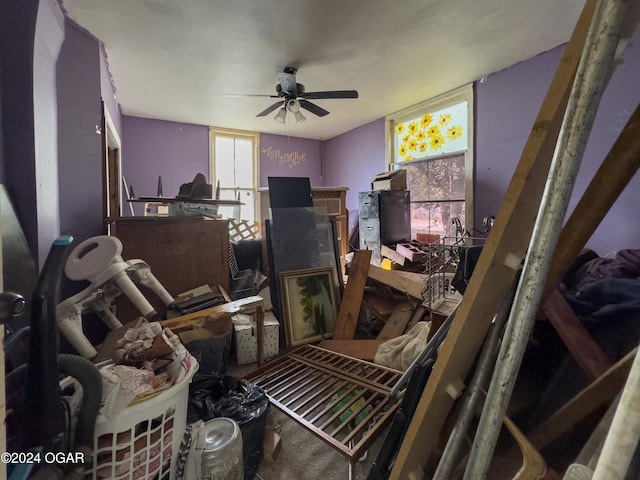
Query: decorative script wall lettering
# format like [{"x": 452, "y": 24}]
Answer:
[{"x": 292, "y": 159}]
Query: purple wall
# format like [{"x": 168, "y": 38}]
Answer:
[
  {"x": 152, "y": 148},
  {"x": 80, "y": 166},
  {"x": 283, "y": 156},
  {"x": 619, "y": 229},
  {"x": 108, "y": 92},
  {"x": 31, "y": 34},
  {"x": 48, "y": 40},
  {"x": 178, "y": 151},
  {"x": 506, "y": 106},
  {"x": 17, "y": 28},
  {"x": 353, "y": 158}
]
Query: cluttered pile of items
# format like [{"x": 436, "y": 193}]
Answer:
[{"x": 148, "y": 401}]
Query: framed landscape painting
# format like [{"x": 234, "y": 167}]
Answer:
[{"x": 308, "y": 304}]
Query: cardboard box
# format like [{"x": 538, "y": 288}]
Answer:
[
  {"x": 394, "y": 180},
  {"x": 271, "y": 446},
  {"x": 246, "y": 345}
]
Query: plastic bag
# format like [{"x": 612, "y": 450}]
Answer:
[
  {"x": 400, "y": 352},
  {"x": 212, "y": 395}
]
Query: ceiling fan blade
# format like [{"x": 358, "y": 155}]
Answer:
[
  {"x": 313, "y": 108},
  {"x": 288, "y": 83},
  {"x": 331, "y": 94},
  {"x": 235, "y": 95},
  {"x": 270, "y": 109}
]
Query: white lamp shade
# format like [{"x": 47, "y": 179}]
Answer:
[
  {"x": 281, "y": 115},
  {"x": 299, "y": 116}
]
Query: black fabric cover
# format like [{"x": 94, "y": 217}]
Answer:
[{"x": 468, "y": 260}]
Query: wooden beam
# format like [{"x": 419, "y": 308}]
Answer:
[
  {"x": 364, "y": 349},
  {"x": 597, "y": 393},
  {"x": 253, "y": 304},
  {"x": 397, "y": 322},
  {"x": 406, "y": 282},
  {"x": 496, "y": 267},
  {"x": 391, "y": 254},
  {"x": 349, "y": 311},
  {"x": 213, "y": 313},
  {"x": 380, "y": 306},
  {"x": 581, "y": 345}
]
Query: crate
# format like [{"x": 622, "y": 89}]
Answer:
[
  {"x": 437, "y": 287},
  {"x": 142, "y": 442}
]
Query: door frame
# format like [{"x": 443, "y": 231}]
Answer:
[{"x": 112, "y": 167}]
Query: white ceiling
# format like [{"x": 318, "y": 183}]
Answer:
[{"x": 172, "y": 59}]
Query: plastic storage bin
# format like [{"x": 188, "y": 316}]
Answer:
[{"x": 142, "y": 442}]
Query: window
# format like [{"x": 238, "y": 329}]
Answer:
[
  {"x": 432, "y": 142},
  {"x": 234, "y": 169}
]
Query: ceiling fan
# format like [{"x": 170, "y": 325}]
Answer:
[{"x": 294, "y": 97}]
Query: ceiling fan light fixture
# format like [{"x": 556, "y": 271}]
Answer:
[
  {"x": 293, "y": 105},
  {"x": 299, "y": 116},
  {"x": 281, "y": 116}
]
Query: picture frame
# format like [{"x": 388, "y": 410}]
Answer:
[{"x": 309, "y": 305}]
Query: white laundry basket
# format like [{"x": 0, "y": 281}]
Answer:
[{"x": 142, "y": 442}]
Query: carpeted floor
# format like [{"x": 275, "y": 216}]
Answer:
[{"x": 304, "y": 456}]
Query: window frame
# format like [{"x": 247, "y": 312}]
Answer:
[
  {"x": 243, "y": 135},
  {"x": 464, "y": 93}
]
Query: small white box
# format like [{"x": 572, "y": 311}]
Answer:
[{"x": 246, "y": 344}]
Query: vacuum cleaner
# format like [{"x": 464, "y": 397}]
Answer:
[{"x": 48, "y": 439}]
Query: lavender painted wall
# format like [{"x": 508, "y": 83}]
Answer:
[
  {"x": 31, "y": 33},
  {"x": 48, "y": 41},
  {"x": 80, "y": 166},
  {"x": 283, "y": 156},
  {"x": 619, "y": 229},
  {"x": 152, "y": 148},
  {"x": 108, "y": 93},
  {"x": 17, "y": 28},
  {"x": 506, "y": 106},
  {"x": 351, "y": 160}
]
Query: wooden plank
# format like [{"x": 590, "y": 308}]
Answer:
[
  {"x": 397, "y": 322},
  {"x": 492, "y": 279},
  {"x": 226, "y": 310},
  {"x": 581, "y": 345},
  {"x": 349, "y": 311},
  {"x": 406, "y": 282},
  {"x": 380, "y": 306},
  {"x": 391, "y": 254},
  {"x": 437, "y": 321},
  {"x": 219, "y": 311},
  {"x": 411, "y": 252},
  {"x": 597, "y": 393},
  {"x": 364, "y": 349},
  {"x": 418, "y": 314}
]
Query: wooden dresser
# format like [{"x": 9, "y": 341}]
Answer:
[
  {"x": 334, "y": 200},
  {"x": 183, "y": 252}
]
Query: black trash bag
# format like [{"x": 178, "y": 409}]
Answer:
[{"x": 214, "y": 395}]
